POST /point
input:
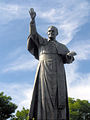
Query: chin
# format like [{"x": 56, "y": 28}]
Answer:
[{"x": 51, "y": 38}]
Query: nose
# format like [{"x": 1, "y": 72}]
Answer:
[{"x": 51, "y": 31}]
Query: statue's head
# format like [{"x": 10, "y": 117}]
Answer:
[{"x": 52, "y": 32}]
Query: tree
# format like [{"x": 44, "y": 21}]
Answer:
[
  {"x": 79, "y": 109},
  {"x": 22, "y": 115},
  {"x": 6, "y": 107}
]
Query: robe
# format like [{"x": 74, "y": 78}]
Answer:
[{"x": 49, "y": 99}]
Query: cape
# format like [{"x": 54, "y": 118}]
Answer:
[{"x": 33, "y": 49}]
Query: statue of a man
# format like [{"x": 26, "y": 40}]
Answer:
[{"x": 50, "y": 99}]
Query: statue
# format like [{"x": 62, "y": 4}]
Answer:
[{"x": 50, "y": 99}]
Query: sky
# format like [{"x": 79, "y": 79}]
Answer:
[{"x": 18, "y": 66}]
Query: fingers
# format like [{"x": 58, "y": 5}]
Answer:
[
  {"x": 32, "y": 13},
  {"x": 31, "y": 10}
]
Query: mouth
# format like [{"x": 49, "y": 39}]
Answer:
[{"x": 51, "y": 36}]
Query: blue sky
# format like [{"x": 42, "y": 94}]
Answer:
[{"x": 18, "y": 66}]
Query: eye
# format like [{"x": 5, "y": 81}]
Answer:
[{"x": 49, "y": 31}]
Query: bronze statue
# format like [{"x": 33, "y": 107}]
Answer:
[{"x": 50, "y": 99}]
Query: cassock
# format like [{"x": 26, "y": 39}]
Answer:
[{"x": 49, "y": 99}]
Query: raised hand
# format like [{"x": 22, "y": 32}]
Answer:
[{"x": 32, "y": 13}]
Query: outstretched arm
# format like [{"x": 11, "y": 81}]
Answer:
[
  {"x": 32, "y": 41},
  {"x": 36, "y": 38}
]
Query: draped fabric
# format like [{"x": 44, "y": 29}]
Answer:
[{"x": 50, "y": 99}]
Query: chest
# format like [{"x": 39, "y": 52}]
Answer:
[{"x": 48, "y": 48}]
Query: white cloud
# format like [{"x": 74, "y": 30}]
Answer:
[
  {"x": 68, "y": 17},
  {"x": 83, "y": 49},
  {"x": 21, "y": 93},
  {"x": 23, "y": 62},
  {"x": 16, "y": 52},
  {"x": 49, "y": 15},
  {"x": 71, "y": 72},
  {"x": 78, "y": 83},
  {"x": 11, "y": 12},
  {"x": 19, "y": 60},
  {"x": 80, "y": 92}
]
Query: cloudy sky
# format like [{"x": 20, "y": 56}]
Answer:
[{"x": 18, "y": 66}]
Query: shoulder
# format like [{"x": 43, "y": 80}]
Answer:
[
  {"x": 61, "y": 46},
  {"x": 43, "y": 41}
]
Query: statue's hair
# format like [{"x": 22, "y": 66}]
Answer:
[{"x": 56, "y": 30}]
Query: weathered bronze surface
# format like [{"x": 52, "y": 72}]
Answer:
[{"x": 50, "y": 99}]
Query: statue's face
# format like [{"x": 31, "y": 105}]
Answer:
[{"x": 51, "y": 33}]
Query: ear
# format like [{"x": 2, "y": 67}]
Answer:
[{"x": 55, "y": 32}]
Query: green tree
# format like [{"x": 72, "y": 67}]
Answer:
[
  {"x": 6, "y": 107},
  {"x": 22, "y": 115},
  {"x": 79, "y": 109}
]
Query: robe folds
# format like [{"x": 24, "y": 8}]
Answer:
[{"x": 49, "y": 99}]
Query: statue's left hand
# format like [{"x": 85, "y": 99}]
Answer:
[{"x": 70, "y": 56}]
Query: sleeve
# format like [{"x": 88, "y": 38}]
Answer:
[
  {"x": 32, "y": 47},
  {"x": 34, "y": 40},
  {"x": 66, "y": 59},
  {"x": 37, "y": 39}
]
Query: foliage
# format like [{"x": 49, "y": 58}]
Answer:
[
  {"x": 79, "y": 109},
  {"x": 6, "y": 107},
  {"x": 22, "y": 115}
]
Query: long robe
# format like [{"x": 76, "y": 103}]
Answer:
[{"x": 50, "y": 99}]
